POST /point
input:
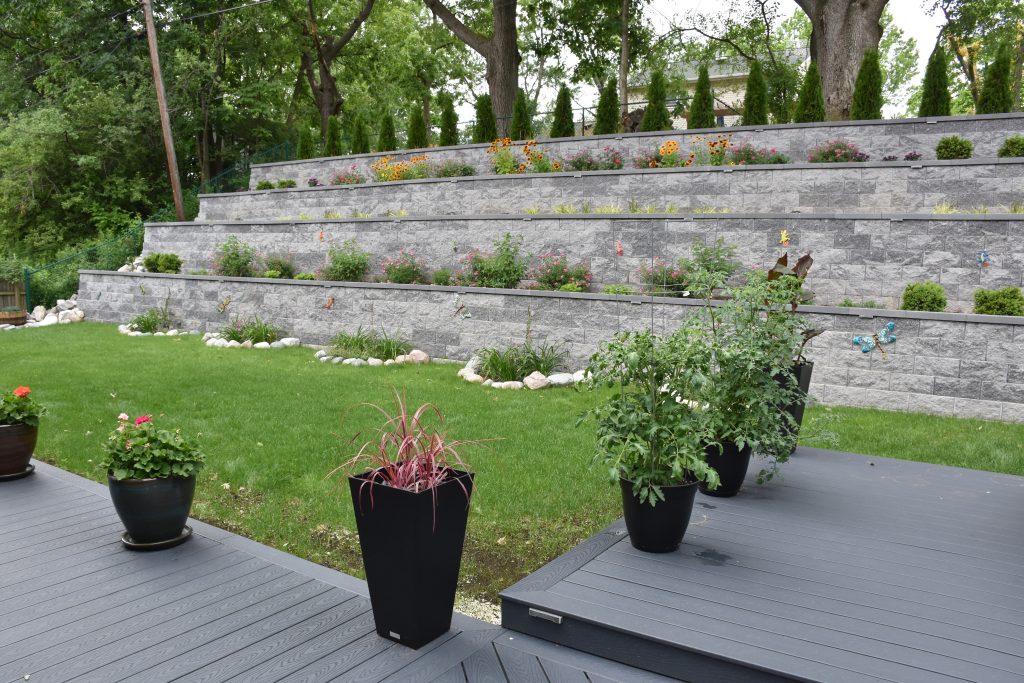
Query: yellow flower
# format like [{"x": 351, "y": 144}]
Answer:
[{"x": 784, "y": 238}]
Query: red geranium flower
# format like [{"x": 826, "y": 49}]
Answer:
[
  {"x": 142, "y": 419},
  {"x": 22, "y": 392}
]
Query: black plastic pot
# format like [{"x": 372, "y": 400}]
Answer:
[
  {"x": 412, "y": 549},
  {"x": 153, "y": 510},
  {"x": 802, "y": 377},
  {"x": 731, "y": 463},
  {"x": 17, "y": 443},
  {"x": 658, "y": 528}
]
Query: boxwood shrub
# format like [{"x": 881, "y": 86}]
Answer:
[
  {"x": 924, "y": 296},
  {"x": 1006, "y": 301},
  {"x": 1012, "y": 146},
  {"x": 954, "y": 147}
]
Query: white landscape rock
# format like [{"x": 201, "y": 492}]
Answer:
[
  {"x": 261, "y": 345},
  {"x": 234, "y": 344},
  {"x": 290, "y": 341},
  {"x": 65, "y": 304},
  {"x": 277, "y": 345},
  {"x": 579, "y": 376},
  {"x": 488, "y": 382},
  {"x": 159, "y": 334},
  {"x": 320, "y": 354},
  {"x": 38, "y": 313},
  {"x": 418, "y": 357},
  {"x": 475, "y": 378},
  {"x": 247, "y": 344},
  {"x": 50, "y": 319},
  {"x": 495, "y": 385},
  {"x": 338, "y": 360},
  {"x": 375, "y": 362},
  {"x": 354, "y": 361},
  {"x": 474, "y": 364},
  {"x": 389, "y": 361},
  {"x": 513, "y": 385},
  {"x": 172, "y": 333},
  {"x": 561, "y": 379},
  {"x": 536, "y": 380},
  {"x": 401, "y": 359}
]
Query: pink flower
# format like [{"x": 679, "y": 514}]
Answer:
[
  {"x": 619, "y": 251},
  {"x": 142, "y": 419},
  {"x": 123, "y": 417}
]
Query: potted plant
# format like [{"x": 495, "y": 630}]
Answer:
[
  {"x": 152, "y": 477},
  {"x": 649, "y": 438},
  {"x": 410, "y": 493},
  {"x": 19, "y": 429}
]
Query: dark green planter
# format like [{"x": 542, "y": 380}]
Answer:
[{"x": 153, "y": 510}]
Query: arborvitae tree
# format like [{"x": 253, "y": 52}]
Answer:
[
  {"x": 485, "y": 129},
  {"x": 416, "y": 131},
  {"x": 563, "y": 126},
  {"x": 656, "y": 116},
  {"x": 995, "y": 89},
  {"x": 306, "y": 149},
  {"x": 332, "y": 145},
  {"x": 702, "y": 106},
  {"x": 522, "y": 121},
  {"x": 867, "y": 90},
  {"x": 608, "y": 120},
  {"x": 810, "y": 107},
  {"x": 755, "y": 102},
  {"x": 449, "y": 121},
  {"x": 387, "y": 141},
  {"x": 935, "y": 89},
  {"x": 360, "y": 136}
]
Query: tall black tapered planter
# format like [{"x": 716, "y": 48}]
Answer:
[
  {"x": 731, "y": 463},
  {"x": 153, "y": 511},
  {"x": 802, "y": 377},
  {"x": 658, "y": 528},
  {"x": 412, "y": 549}
]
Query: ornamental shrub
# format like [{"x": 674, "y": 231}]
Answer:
[
  {"x": 1006, "y": 301},
  {"x": 748, "y": 155},
  {"x": 935, "y": 100},
  {"x": 608, "y": 159},
  {"x": 867, "y": 90},
  {"x": 350, "y": 177},
  {"x": 442, "y": 277},
  {"x": 522, "y": 121},
  {"x": 485, "y": 128},
  {"x": 251, "y": 329},
  {"x": 836, "y": 151},
  {"x": 554, "y": 273},
  {"x": 264, "y": 185},
  {"x": 924, "y": 296},
  {"x": 954, "y": 147},
  {"x": 662, "y": 278},
  {"x": 608, "y": 120},
  {"x": 416, "y": 131},
  {"x": 449, "y": 121},
  {"x": 502, "y": 269},
  {"x": 702, "y": 106},
  {"x": 387, "y": 141},
  {"x": 305, "y": 276},
  {"x": 162, "y": 263},
  {"x": 563, "y": 126},
  {"x": 996, "y": 97},
  {"x": 656, "y": 115},
  {"x": 152, "y": 321},
  {"x": 345, "y": 264},
  {"x": 286, "y": 184},
  {"x": 755, "y": 102},
  {"x": 141, "y": 450},
  {"x": 282, "y": 264},
  {"x": 360, "y": 136},
  {"x": 453, "y": 169},
  {"x": 306, "y": 149},
  {"x": 811, "y": 102},
  {"x": 332, "y": 145},
  {"x": 403, "y": 269},
  {"x": 234, "y": 258},
  {"x": 1012, "y": 146}
]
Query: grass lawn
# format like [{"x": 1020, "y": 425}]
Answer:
[{"x": 274, "y": 423}]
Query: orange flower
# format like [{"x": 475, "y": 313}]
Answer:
[{"x": 22, "y": 392}]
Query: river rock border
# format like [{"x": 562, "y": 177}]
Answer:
[
  {"x": 534, "y": 381},
  {"x": 414, "y": 357}
]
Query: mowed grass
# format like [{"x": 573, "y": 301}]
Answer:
[{"x": 274, "y": 423}]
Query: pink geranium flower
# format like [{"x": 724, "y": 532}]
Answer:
[{"x": 142, "y": 419}]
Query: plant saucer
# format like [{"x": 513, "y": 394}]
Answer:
[
  {"x": 185, "y": 534},
  {"x": 18, "y": 475}
]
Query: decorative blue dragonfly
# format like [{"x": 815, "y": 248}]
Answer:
[{"x": 869, "y": 343}]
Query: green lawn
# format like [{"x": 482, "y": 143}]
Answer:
[{"x": 274, "y": 423}]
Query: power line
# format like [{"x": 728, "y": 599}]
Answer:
[{"x": 226, "y": 10}]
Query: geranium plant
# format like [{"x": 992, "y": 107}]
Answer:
[
  {"x": 349, "y": 177},
  {"x": 138, "y": 449},
  {"x": 836, "y": 151},
  {"x": 18, "y": 407},
  {"x": 403, "y": 269},
  {"x": 554, "y": 272}
]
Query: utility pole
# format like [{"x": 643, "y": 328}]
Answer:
[{"x": 165, "y": 119}]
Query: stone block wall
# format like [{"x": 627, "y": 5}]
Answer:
[
  {"x": 897, "y": 187},
  {"x": 953, "y": 364},
  {"x": 876, "y": 138},
  {"x": 863, "y": 257}
]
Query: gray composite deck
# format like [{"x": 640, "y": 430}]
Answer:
[
  {"x": 75, "y": 605},
  {"x": 851, "y": 568}
]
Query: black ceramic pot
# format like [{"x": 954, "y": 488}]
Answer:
[
  {"x": 731, "y": 463},
  {"x": 153, "y": 510},
  {"x": 17, "y": 442},
  {"x": 802, "y": 377},
  {"x": 412, "y": 550},
  {"x": 658, "y": 528}
]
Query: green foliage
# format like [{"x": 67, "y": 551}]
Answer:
[
  {"x": 387, "y": 141},
  {"x": 305, "y": 276},
  {"x": 345, "y": 264},
  {"x": 1006, "y": 301},
  {"x": 502, "y": 269},
  {"x": 867, "y": 90},
  {"x": 1013, "y": 146},
  {"x": 442, "y": 277},
  {"x": 554, "y": 272},
  {"x": 996, "y": 97},
  {"x": 332, "y": 145},
  {"x": 836, "y": 152},
  {"x": 141, "y": 450},
  {"x": 656, "y": 115},
  {"x": 403, "y": 269},
  {"x": 18, "y": 407},
  {"x": 924, "y": 296},
  {"x": 935, "y": 100},
  {"x": 485, "y": 127},
  {"x": 306, "y": 149},
  {"x": 702, "y": 106},
  {"x": 810, "y": 106},
  {"x": 755, "y": 102},
  {"x": 563, "y": 125},
  {"x": 251, "y": 329},
  {"x": 153, "y": 320},
  {"x": 162, "y": 263},
  {"x": 360, "y": 136},
  {"x": 453, "y": 169},
  {"x": 416, "y": 130},
  {"x": 954, "y": 147},
  {"x": 265, "y": 185},
  {"x": 850, "y": 303},
  {"x": 618, "y": 289},
  {"x": 515, "y": 362},
  {"x": 608, "y": 120},
  {"x": 748, "y": 155},
  {"x": 369, "y": 344},
  {"x": 285, "y": 184},
  {"x": 522, "y": 119},
  {"x": 284, "y": 265},
  {"x": 449, "y": 121},
  {"x": 234, "y": 258}
]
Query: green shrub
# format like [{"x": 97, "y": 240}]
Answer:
[
  {"x": 251, "y": 329},
  {"x": 403, "y": 269},
  {"x": 305, "y": 276},
  {"x": 453, "y": 169},
  {"x": 387, "y": 141},
  {"x": 522, "y": 120},
  {"x": 272, "y": 274},
  {"x": 554, "y": 272},
  {"x": 449, "y": 121},
  {"x": 608, "y": 120},
  {"x": 360, "y": 136},
  {"x": 996, "y": 96},
  {"x": 442, "y": 277},
  {"x": 282, "y": 264},
  {"x": 663, "y": 278},
  {"x": 264, "y": 185},
  {"x": 153, "y": 320},
  {"x": 656, "y": 115},
  {"x": 1006, "y": 301},
  {"x": 748, "y": 155},
  {"x": 285, "y": 184},
  {"x": 485, "y": 128},
  {"x": 369, "y": 345},
  {"x": 867, "y": 90},
  {"x": 162, "y": 263},
  {"x": 346, "y": 264},
  {"x": 954, "y": 147},
  {"x": 810, "y": 106},
  {"x": 417, "y": 136},
  {"x": 332, "y": 146},
  {"x": 755, "y": 101},
  {"x": 935, "y": 100},
  {"x": 306, "y": 149},
  {"x": 1012, "y": 146},
  {"x": 718, "y": 260},
  {"x": 924, "y": 296},
  {"x": 234, "y": 258},
  {"x": 618, "y": 289},
  {"x": 702, "y": 106},
  {"x": 517, "y": 361},
  {"x": 572, "y": 287},
  {"x": 563, "y": 125},
  {"x": 502, "y": 270},
  {"x": 836, "y": 151},
  {"x": 850, "y": 303}
]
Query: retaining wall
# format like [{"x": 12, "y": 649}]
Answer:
[
  {"x": 863, "y": 257},
  {"x": 876, "y": 138},
  {"x": 951, "y": 364},
  {"x": 897, "y": 187}
]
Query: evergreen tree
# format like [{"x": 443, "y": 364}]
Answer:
[
  {"x": 485, "y": 128},
  {"x": 416, "y": 131},
  {"x": 563, "y": 126},
  {"x": 702, "y": 106},
  {"x": 522, "y": 121},
  {"x": 360, "y": 136},
  {"x": 306, "y": 149},
  {"x": 449, "y": 121},
  {"x": 755, "y": 101},
  {"x": 332, "y": 145},
  {"x": 867, "y": 90},
  {"x": 656, "y": 116},
  {"x": 608, "y": 120},
  {"x": 935, "y": 100},
  {"x": 810, "y": 107},
  {"x": 995, "y": 89},
  {"x": 387, "y": 141}
]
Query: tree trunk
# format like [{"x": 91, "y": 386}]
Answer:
[
  {"x": 841, "y": 31},
  {"x": 624, "y": 62}
]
